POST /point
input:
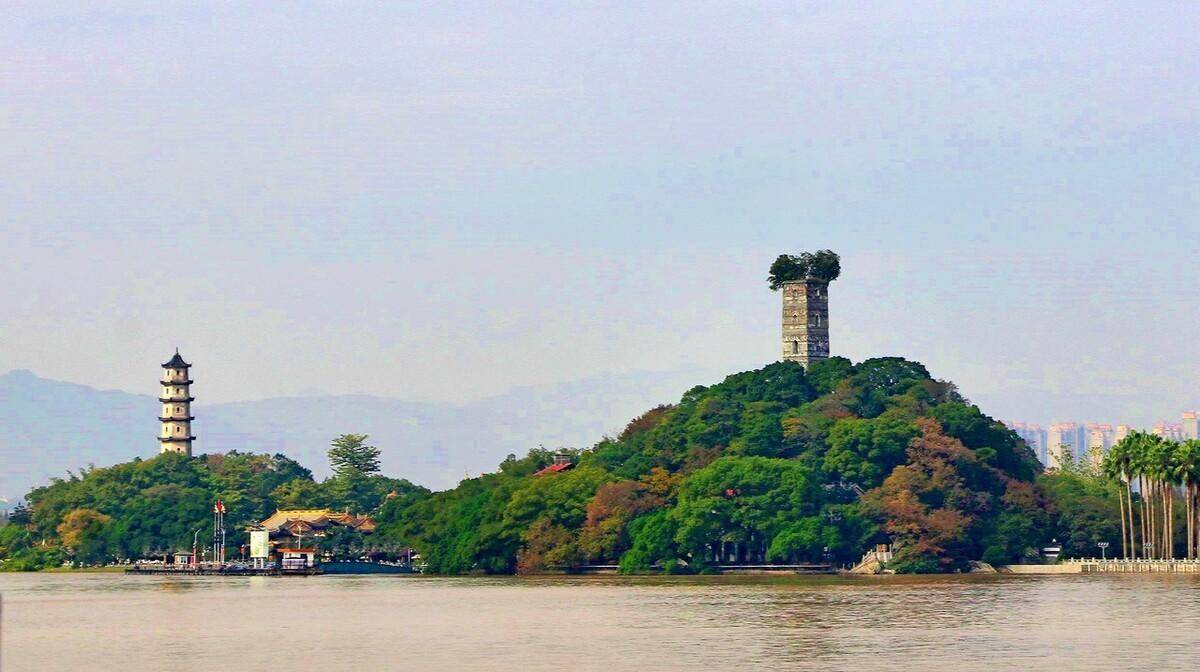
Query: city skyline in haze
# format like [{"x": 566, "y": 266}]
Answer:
[{"x": 444, "y": 203}]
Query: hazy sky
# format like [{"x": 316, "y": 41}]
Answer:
[{"x": 443, "y": 201}]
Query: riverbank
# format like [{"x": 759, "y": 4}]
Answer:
[
  {"x": 107, "y": 569},
  {"x": 1066, "y": 567}
]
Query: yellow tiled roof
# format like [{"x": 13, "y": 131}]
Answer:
[
  {"x": 283, "y": 516},
  {"x": 315, "y": 517}
]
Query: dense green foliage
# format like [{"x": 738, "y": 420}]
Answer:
[
  {"x": 777, "y": 465},
  {"x": 822, "y": 265},
  {"x": 1166, "y": 473},
  {"x": 774, "y": 465},
  {"x": 1081, "y": 508},
  {"x": 151, "y": 507},
  {"x": 1140, "y": 498}
]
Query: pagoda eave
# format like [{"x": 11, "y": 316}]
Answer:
[
  {"x": 176, "y": 401},
  {"x": 171, "y": 383},
  {"x": 176, "y": 362},
  {"x": 172, "y": 439},
  {"x": 187, "y": 419}
]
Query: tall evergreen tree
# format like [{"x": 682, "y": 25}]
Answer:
[{"x": 350, "y": 456}]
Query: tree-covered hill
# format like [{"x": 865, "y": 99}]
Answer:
[
  {"x": 778, "y": 465},
  {"x": 773, "y": 465},
  {"x": 146, "y": 508}
]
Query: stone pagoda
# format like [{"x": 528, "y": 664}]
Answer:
[
  {"x": 805, "y": 320},
  {"x": 176, "y": 417},
  {"x": 805, "y": 279}
]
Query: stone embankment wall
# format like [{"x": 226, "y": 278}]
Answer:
[
  {"x": 1096, "y": 566},
  {"x": 1138, "y": 566},
  {"x": 1064, "y": 568}
]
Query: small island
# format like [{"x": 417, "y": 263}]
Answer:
[{"x": 813, "y": 461}]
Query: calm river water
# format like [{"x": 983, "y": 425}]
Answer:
[{"x": 135, "y": 623}]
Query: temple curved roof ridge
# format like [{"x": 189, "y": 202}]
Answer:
[{"x": 318, "y": 517}]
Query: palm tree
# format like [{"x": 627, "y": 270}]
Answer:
[
  {"x": 1187, "y": 471},
  {"x": 1139, "y": 465},
  {"x": 1162, "y": 468},
  {"x": 1171, "y": 482},
  {"x": 1110, "y": 468},
  {"x": 1158, "y": 462},
  {"x": 1116, "y": 466},
  {"x": 1192, "y": 453}
]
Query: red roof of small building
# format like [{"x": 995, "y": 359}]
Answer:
[{"x": 555, "y": 468}]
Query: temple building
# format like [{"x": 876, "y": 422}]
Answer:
[
  {"x": 560, "y": 463},
  {"x": 175, "y": 434},
  {"x": 293, "y": 527}
]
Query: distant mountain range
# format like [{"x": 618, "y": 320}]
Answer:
[{"x": 48, "y": 427}]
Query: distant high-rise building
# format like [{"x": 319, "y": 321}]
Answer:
[
  {"x": 1039, "y": 437},
  {"x": 1063, "y": 441},
  {"x": 1033, "y": 435},
  {"x": 1169, "y": 431},
  {"x": 1100, "y": 435},
  {"x": 1191, "y": 427},
  {"x": 1121, "y": 432},
  {"x": 1081, "y": 441},
  {"x": 1090, "y": 442},
  {"x": 1100, "y": 439}
]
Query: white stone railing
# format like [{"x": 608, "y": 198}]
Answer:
[{"x": 1121, "y": 565}]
